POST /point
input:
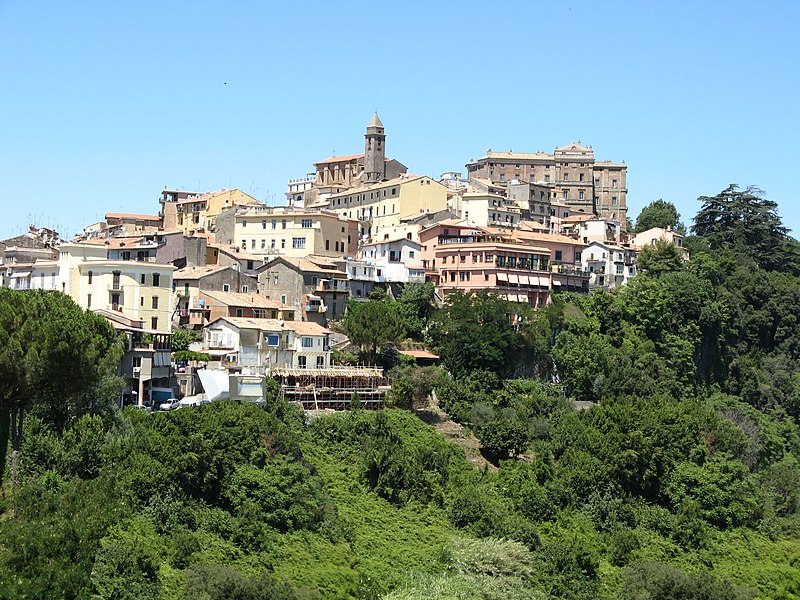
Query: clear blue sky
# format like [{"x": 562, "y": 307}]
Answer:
[{"x": 102, "y": 104}]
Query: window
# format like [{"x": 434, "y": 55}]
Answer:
[
  {"x": 263, "y": 244},
  {"x": 298, "y": 243},
  {"x": 613, "y": 200},
  {"x": 580, "y": 195},
  {"x": 88, "y": 301},
  {"x": 547, "y": 178},
  {"x": 264, "y": 224},
  {"x": 239, "y": 312},
  {"x": 327, "y": 244},
  {"x": 613, "y": 183},
  {"x": 565, "y": 194},
  {"x": 321, "y": 359},
  {"x": 410, "y": 254},
  {"x": 283, "y": 243},
  {"x": 273, "y": 339},
  {"x": 154, "y": 323},
  {"x": 307, "y": 342},
  {"x": 226, "y": 287},
  {"x": 283, "y": 223},
  {"x": 301, "y": 362},
  {"x": 253, "y": 244},
  {"x": 283, "y": 298},
  {"x": 558, "y": 254},
  {"x": 274, "y": 224},
  {"x": 306, "y": 223},
  {"x": 580, "y": 177},
  {"x": 245, "y": 289},
  {"x": 156, "y": 279},
  {"x": 566, "y": 176},
  {"x": 141, "y": 278},
  {"x": 154, "y": 302},
  {"x": 244, "y": 223},
  {"x": 89, "y": 274}
]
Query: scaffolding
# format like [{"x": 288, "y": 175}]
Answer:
[{"x": 333, "y": 388}]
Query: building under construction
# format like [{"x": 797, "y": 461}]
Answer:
[{"x": 333, "y": 388}]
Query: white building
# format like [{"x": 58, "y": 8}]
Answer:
[
  {"x": 609, "y": 265},
  {"x": 256, "y": 345},
  {"x": 395, "y": 260}
]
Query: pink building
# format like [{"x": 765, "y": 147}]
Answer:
[{"x": 518, "y": 272}]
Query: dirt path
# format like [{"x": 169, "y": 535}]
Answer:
[{"x": 453, "y": 432}]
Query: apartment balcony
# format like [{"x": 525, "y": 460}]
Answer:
[
  {"x": 332, "y": 285},
  {"x": 116, "y": 286},
  {"x": 568, "y": 269}
]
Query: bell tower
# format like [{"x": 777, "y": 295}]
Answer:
[{"x": 375, "y": 151}]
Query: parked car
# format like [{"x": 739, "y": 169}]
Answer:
[
  {"x": 170, "y": 404},
  {"x": 142, "y": 407},
  {"x": 190, "y": 402}
]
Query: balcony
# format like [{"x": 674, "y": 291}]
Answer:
[
  {"x": 332, "y": 285},
  {"x": 115, "y": 286}
]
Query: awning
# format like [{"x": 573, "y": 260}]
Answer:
[
  {"x": 220, "y": 352},
  {"x": 513, "y": 278},
  {"x": 314, "y": 297},
  {"x": 502, "y": 277},
  {"x": 525, "y": 280},
  {"x": 21, "y": 274},
  {"x": 556, "y": 282}
]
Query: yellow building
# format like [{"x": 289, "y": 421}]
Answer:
[
  {"x": 139, "y": 290},
  {"x": 297, "y": 232},
  {"x": 198, "y": 213},
  {"x": 380, "y": 207}
]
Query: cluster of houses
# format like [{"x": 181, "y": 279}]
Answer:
[{"x": 261, "y": 283}]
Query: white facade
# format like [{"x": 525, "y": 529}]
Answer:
[
  {"x": 394, "y": 261},
  {"x": 264, "y": 343},
  {"x": 485, "y": 210},
  {"x": 609, "y": 266}
]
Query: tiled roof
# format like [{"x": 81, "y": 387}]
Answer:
[
  {"x": 237, "y": 299},
  {"x": 132, "y": 216},
  {"x": 198, "y": 272},
  {"x": 301, "y": 327},
  {"x": 336, "y": 159},
  {"x": 312, "y": 264}
]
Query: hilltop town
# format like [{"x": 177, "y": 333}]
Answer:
[{"x": 260, "y": 287}]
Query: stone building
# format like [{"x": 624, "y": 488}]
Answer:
[{"x": 577, "y": 179}]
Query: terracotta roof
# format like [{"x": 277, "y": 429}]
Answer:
[
  {"x": 237, "y": 254},
  {"x": 301, "y": 327},
  {"x": 312, "y": 264},
  {"x": 537, "y": 236},
  {"x": 344, "y": 158},
  {"x": 198, "y": 272},
  {"x": 132, "y": 216},
  {"x": 578, "y": 218},
  {"x": 237, "y": 299},
  {"x": 404, "y": 178}
]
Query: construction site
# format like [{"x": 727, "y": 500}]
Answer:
[{"x": 333, "y": 388}]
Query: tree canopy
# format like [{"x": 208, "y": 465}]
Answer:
[
  {"x": 659, "y": 214},
  {"x": 748, "y": 223}
]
